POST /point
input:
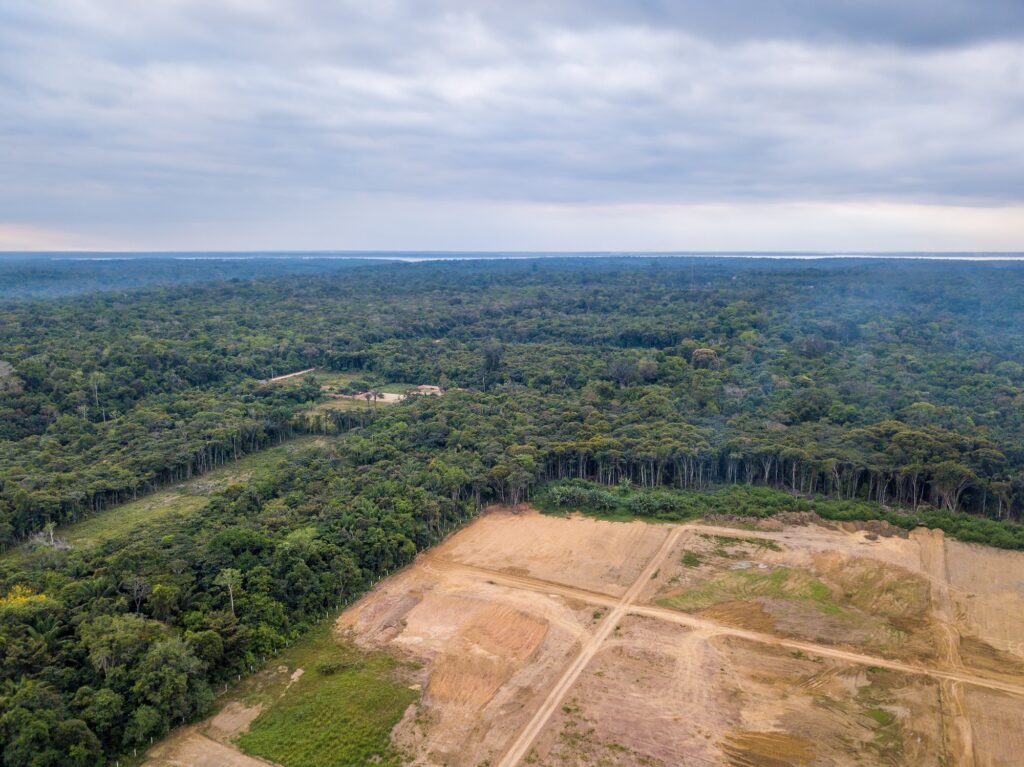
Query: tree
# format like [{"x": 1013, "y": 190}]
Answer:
[
  {"x": 163, "y": 600},
  {"x": 706, "y": 359},
  {"x": 493, "y": 354},
  {"x": 230, "y": 579},
  {"x": 36, "y": 730},
  {"x": 101, "y": 709},
  {"x": 169, "y": 678},
  {"x": 117, "y": 641},
  {"x": 624, "y": 371},
  {"x": 138, "y": 588},
  {"x": 952, "y": 479}
]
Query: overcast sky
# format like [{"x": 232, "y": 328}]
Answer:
[{"x": 676, "y": 125}]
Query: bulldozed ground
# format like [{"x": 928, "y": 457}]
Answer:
[{"x": 540, "y": 640}]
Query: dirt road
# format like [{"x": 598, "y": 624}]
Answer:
[
  {"x": 711, "y": 628},
  {"x": 959, "y": 739},
  {"x": 286, "y": 376},
  {"x": 188, "y": 747},
  {"x": 439, "y": 564},
  {"x": 522, "y": 744}
]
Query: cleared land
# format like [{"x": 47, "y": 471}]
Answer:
[
  {"x": 536, "y": 640},
  {"x": 342, "y": 391}
]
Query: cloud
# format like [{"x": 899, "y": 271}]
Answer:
[{"x": 143, "y": 122}]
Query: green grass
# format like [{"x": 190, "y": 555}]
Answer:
[
  {"x": 880, "y": 715},
  {"x": 691, "y": 559},
  {"x": 395, "y": 388},
  {"x": 182, "y": 498},
  {"x": 346, "y": 404},
  {"x": 322, "y": 377},
  {"x": 727, "y": 541},
  {"x": 742, "y": 585},
  {"x": 877, "y": 698},
  {"x": 324, "y": 720}
]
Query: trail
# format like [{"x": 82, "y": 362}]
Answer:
[
  {"x": 957, "y": 676},
  {"x": 439, "y": 564},
  {"x": 286, "y": 376},
  {"x": 524, "y": 742}
]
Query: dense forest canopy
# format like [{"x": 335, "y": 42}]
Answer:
[
  {"x": 896, "y": 381},
  {"x": 884, "y": 388}
]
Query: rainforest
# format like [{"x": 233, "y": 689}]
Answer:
[{"x": 175, "y": 510}]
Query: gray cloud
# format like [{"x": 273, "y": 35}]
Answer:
[{"x": 144, "y": 119}]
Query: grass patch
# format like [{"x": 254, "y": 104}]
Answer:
[
  {"x": 691, "y": 559},
  {"x": 321, "y": 377},
  {"x": 326, "y": 719},
  {"x": 887, "y": 741},
  {"x": 345, "y": 403},
  {"x": 744, "y": 585},
  {"x": 395, "y": 388},
  {"x": 880, "y": 715},
  {"x": 728, "y": 541}
]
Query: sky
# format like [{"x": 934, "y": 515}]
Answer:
[{"x": 846, "y": 125}]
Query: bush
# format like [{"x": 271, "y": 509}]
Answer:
[{"x": 328, "y": 667}]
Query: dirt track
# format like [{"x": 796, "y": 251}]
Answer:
[
  {"x": 189, "y": 747},
  {"x": 711, "y": 628},
  {"x": 526, "y": 737},
  {"x": 572, "y": 642},
  {"x": 286, "y": 376}
]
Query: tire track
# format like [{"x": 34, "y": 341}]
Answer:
[
  {"x": 957, "y": 733},
  {"x": 439, "y": 564},
  {"x": 524, "y": 741},
  {"x": 713, "y": 628}
]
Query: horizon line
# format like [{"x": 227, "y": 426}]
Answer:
[{"x": 418, "y": 255}]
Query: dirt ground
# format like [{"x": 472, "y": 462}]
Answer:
[
  {"x": 605, "y": 557},
  {"x": 549, "y": 641},
  {"x": 189, "y": 747},
  {"x": 489, "y": 640},
  {"x": 656, "y": 695}
]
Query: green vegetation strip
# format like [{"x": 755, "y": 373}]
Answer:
[
  {"x": 742, "y": 585},
  {"x": 627, "y": 502}
]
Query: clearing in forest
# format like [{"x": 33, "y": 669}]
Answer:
[
  {"x": 537, "y": 640},
  {"x": 181, "y": 498}
]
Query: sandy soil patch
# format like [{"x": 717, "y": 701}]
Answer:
[
  {"x": 188, "y": 747},
  {"x": 486, "y": 651},
  {"x": 998, "y": 733},
  {"x": 231, "y": 721},
  {"x": 658, "y": 696},
  {"x": 987, "y": 586},
  {"x": 591, "y": 554}
]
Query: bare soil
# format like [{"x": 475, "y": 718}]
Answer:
[
  {"x": 586, "y": 553},
  {"x": 189, "y": 747},
  {"x": 551, "y": 641}
]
